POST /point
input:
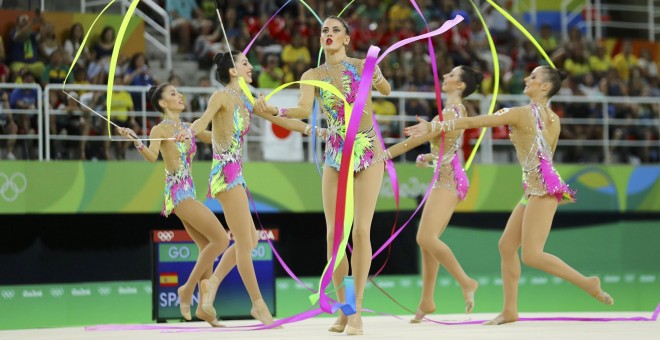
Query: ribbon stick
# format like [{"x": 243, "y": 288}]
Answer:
[{"x": 107, "y": 120}]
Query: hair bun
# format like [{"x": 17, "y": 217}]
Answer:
[
  {"x": 150, "y": 93},
  {"x": 218, "y": 57},
  {"x": 562, "y": 74},
  {"x": 479, "y": 77}
]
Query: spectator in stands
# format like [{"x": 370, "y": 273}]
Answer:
[
  {"x": 122, "y": 115},
  {"x": 625, "y": 60},
  {"x": 48, "y": 43},
  {"x": 372, "y": 10},
  {"x": 25, "y": 99},
  {"x": 577, "y": 64},
  {"x": 600, "y": 62},
  {"x": 24, "y": 46},
  {"x": 186, "y": 19},
  {"x": 296, "y": 51},
  {"x": 272, "y": 75},
  {"x": 72, "y": 45},
  {"x": 139, "y": 74},
  {"x": 647, "y": 64},
  {"x": 7, "y": 124},
  {"x": 4, "y": 69},
  {"x": 548, "y": 42},
  {"x": 67, "y": 122},
  {"x": 398, "y": 14},
  {"x": 56, "y": 69},
  {"x": 99, "y": 65},
  {"x": 385, "y": 108}
]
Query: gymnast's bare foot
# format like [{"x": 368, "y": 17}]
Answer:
[
  {"x": 501, "y": 319},
  {"x": 468, "y": 294},
  {"x": 184, "y": 302},
  {"x": 200, "y": 314},
  {"x": 422, "y": 310},
  {"x": 340, "y": 323},
  {"x": 597, "y": 292},
  {"x": 354, "y": 326},
  {"x": 260, "y": 312}
]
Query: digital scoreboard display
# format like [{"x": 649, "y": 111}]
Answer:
[{"x": 174, "y": 256}]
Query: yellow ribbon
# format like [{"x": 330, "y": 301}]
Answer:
[
  {"x": 496, "y": 87},
  {"x": 82, "y": 45},
  {"x": 115, "y": 56}
]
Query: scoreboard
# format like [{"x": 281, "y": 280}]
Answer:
[{"x": 174, "y": 256}]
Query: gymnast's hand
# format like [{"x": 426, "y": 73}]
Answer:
[
  {"x": 182, "y": 135},
  {"x": 422, "y": 161},
  {"x": 261, "y": 108},
  {"x": 128, "y": 133},
  {"x": 418, "y": 130}
]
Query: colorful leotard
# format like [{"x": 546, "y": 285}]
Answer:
[
  {"x": 345, "y": 76},
  {"x": 451, "y": 175},
  {"x": 539, "y": 176},
  {"x": 179, "y": 184},
  {"x": 228, "y": 138}
]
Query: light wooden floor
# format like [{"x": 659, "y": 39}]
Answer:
[{"x": 380, "y": 327}]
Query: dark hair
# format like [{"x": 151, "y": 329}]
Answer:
[
  {"x": 472, "y": 80},
  {"x": 223, "y": 63},
  {"x": 154, "y": 94},
  {"x": 343, "y": 23},
  {"x": 134, "y": 59},
  {"x": 105, "y": 30},
  {"x": 556, "y": 77}
]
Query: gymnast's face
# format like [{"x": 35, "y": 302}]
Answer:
[
  {"x": 243, "y": 67},
  {"x": 171, "y": 99},
  {"x": 452, "y": 81},
  {"x": 333, "y": 35},
  {"x": 536, "y": 83}
]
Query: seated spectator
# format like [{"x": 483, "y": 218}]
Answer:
[
  {"x": 548, "y": 42},
  {"x": 272, "y": 75},
  {"x": 398, "y": 13},
  {"x": 4, "y": 69},
  {"x": 24, "y": 46},
  {"x": 371, "y": 10},
  {"x": 383, "y": 107},
  {"x": 99, "y": 64},
  {"x": 625, "y": 61},
  {"x": 7, "y": 124},
  {"x": 73, "y": 43},
  {"x": 577, "y": 65},
  {"x": 56, "y": 69},
  {"x": 139, "y": 74},
  {"x": 647, "y": 64},
  {"x": 25, "y": 99},
  {"x": 48, "y": 42},
  {"x": 122, "y": 107},
  {"x": 186, "y": 18},
  {"x": 296, "y": 51},
  {"x": 70, "y": 122},
  {"x": 600, "y": 62}
]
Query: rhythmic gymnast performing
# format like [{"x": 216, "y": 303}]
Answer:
[
  {"x": 200, "y": 223},
  {"x": 449, "y": 189},
  {"x": 229, "y": 112},
  {"x": 344, "y": 73},
  {"x": 534, "y": 131}
]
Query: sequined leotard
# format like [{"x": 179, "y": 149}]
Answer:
[
  {"x": 179, "y": 184},
  {"x": 451, "y": 175},
  {"x": 345, "y": 75},
  {"x": 534, "y": 152},
  {"x": 228, "y": 137}
]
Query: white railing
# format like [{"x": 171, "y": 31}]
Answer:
[
  {"x": 38, "y": 135},
  {"x": 487, "y": 151},
  {"x": 164, "y": 44},
  {"x": 593, "y": 17}
]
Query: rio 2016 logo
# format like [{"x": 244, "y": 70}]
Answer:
[{"x": 12, "y": 186}]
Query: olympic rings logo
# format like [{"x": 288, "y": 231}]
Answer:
[
  {"x": 12, "y": 186},
  {"x": 165, "y": 236}
]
